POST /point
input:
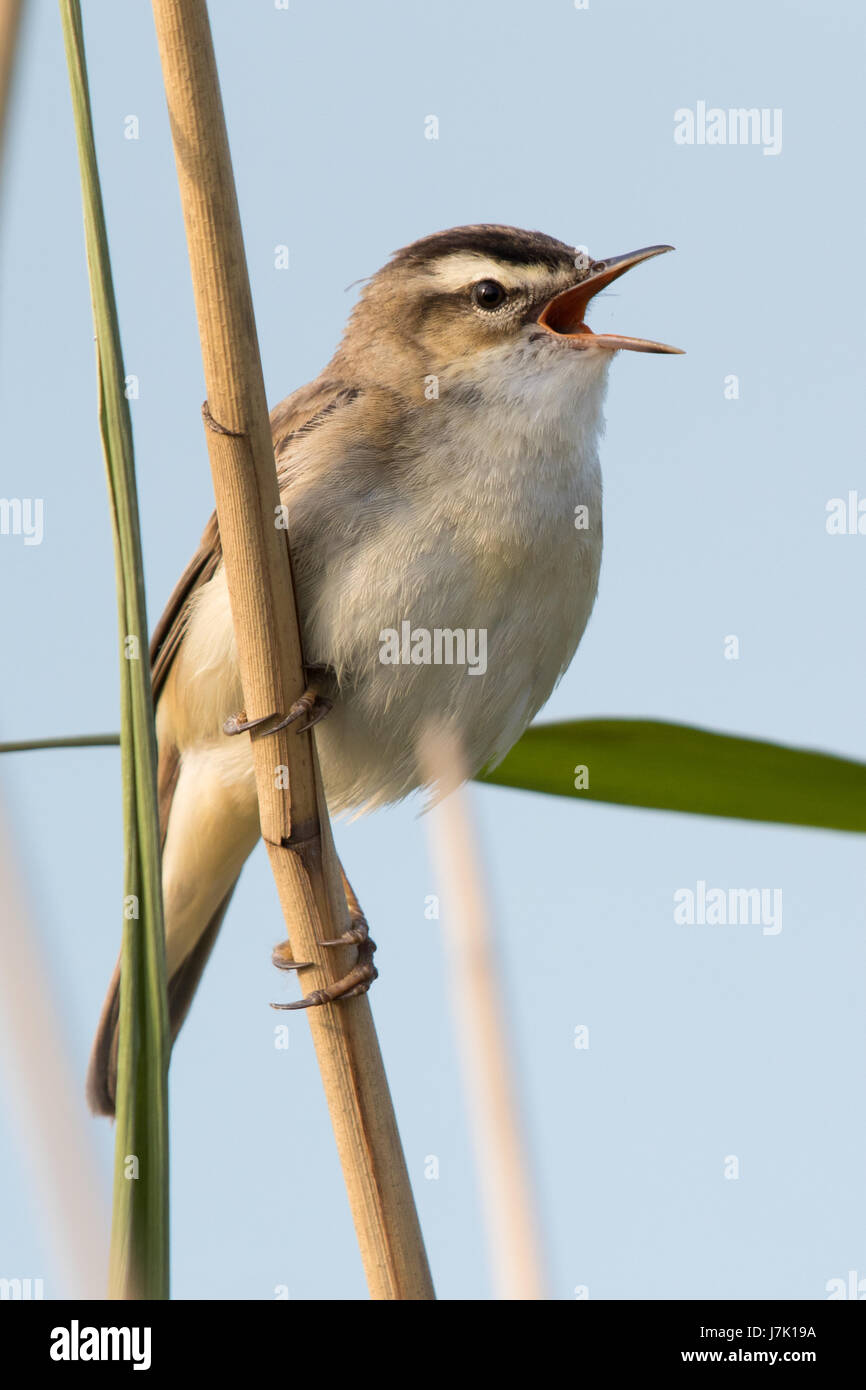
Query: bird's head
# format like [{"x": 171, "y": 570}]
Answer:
[{"x": 457, "y": 300}]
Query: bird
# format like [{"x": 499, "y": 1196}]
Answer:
[{"x": 432, "y": 476}]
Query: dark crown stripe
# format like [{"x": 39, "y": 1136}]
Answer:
[{"x": 509, "y": 244}]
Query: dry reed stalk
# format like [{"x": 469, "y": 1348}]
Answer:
[{"x": 294, "y": 824}]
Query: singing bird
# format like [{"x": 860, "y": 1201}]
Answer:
[{"x": 432, "y": 474}]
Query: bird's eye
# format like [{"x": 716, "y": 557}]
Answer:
[{"x": 488, "y": 294}]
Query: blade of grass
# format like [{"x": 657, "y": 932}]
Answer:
[
  {"x": 138, "y": 1266},
  {"x": 35, "y": 745},
  {"x": 664, "y": 767},
  {"x": 675, "y": 767}
]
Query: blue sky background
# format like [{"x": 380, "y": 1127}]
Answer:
[{"x": 705, "y": 1041}]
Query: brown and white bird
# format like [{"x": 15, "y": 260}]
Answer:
[{"x": 431, "y": 475}]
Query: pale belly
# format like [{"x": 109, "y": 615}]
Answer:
[{"x": 470, "y": 634}]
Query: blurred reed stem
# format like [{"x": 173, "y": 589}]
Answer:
[
  {"x": 504, "y": 1181},
  {"x": 11, "y": 12},
  {"x": 47, "y": 1118}
]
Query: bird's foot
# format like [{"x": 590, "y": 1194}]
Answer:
[
  {"x": 357, "y": 980},
  {"x": 311, "y": 706}
]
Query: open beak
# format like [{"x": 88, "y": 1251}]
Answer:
[{"x": 564, "y": 314}]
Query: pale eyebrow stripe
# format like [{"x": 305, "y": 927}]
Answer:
[{"x": 461, "y": 268}]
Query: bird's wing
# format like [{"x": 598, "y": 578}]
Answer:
[
  {"x": 295, "y": 417},
  {"x": 168, "y": 633}
]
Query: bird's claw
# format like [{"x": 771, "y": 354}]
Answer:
[
  {"x": 355, "y": 936},
  {"x": 239, "y": 724},
  {"x": 356, "y": 981},
  {"x": 311, "y": 703}
]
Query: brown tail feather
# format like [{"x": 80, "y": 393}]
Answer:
[
  {"x": 102, "y": 1069},
  {"x": 167, "y": 637}
]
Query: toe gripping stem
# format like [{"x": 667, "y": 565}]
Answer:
[
  {"x": 357, "y": 980},
  {"x": 311, "y": 706}
]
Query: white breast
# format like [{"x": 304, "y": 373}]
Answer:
[{"x": 485, "y": 540}]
